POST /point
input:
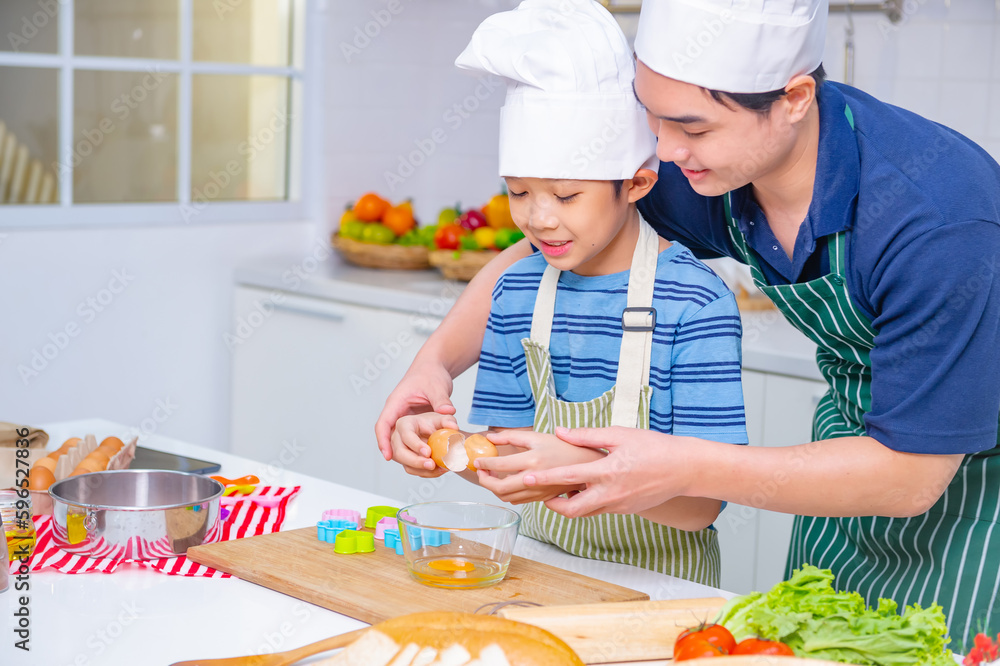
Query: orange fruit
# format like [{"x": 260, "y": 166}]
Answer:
[
  {"x": 497, "y": 212},
  {"x": 370, "y": 207},
  {"x": 400, "y": 218}
]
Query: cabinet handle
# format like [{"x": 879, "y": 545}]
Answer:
[{"x": 310, "y": 307}]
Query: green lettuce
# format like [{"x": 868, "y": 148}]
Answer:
[{"x": 813, "y": 619}]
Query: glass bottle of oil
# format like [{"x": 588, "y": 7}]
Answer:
[{"x": 18, "y": 526}]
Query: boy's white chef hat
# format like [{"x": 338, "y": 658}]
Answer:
[
  {"x": 570, "y": 110},
  {"x": 737, "y": 46}
]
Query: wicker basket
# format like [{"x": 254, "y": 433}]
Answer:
[
  {"x": 373, "y": 255},
  {"x": 455, "y": 265}
]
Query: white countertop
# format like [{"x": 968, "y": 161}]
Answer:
[
  {"x": 137, "y": 615},
  {"x": 770, "y": 343}
]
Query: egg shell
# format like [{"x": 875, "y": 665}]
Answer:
[
  {"x": 70, "y": 443},
  {"x": 47, "y": 463},
  {"x": 40, "y": 478},
  {"x": 440, "y": 443},
  {"x": 112, "y": 441},
  {"x": 80, "y": 470},
  {"x": 477, "y": 446},
  {"x": 100, "y": 459}
]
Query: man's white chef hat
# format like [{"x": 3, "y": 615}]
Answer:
[
  {"x": 737, "y": 46},
  {"x": 570, "y": 110}
]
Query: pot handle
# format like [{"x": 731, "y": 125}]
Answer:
[{"x": 90, "y": 522}]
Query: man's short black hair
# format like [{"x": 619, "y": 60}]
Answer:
[
  {"x": 618, "y": 185},
  {"x": 761, "y": 102}
]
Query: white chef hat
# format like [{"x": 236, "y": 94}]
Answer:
[
  {"x": 737, "y": 46},
  {"x": 570, "y": 110}
]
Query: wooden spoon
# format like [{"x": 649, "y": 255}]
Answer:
[{"x": 281, "y": 658}]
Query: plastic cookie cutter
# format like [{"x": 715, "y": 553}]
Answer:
[
  {"x": 384, "y": 524},
  {"x": 392, "y": 540},
  {"x": 377, "y": 513},
  {"x": 420, "y": 538},
  {"x": 343, "y": 514},
  {"x": 247, "y": 480},
  {"x": 354, "y": 541},
  {"x": 242, "y": 490},
  {"x": 327, "y": 530}
]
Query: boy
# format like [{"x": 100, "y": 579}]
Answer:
[{"x": 623, "y": 328}]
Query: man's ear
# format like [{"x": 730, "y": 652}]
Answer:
[
  {"x": 799, "y": 96},
  {"x": 640, "y": 184}
]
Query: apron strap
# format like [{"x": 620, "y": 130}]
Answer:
[
  {"x": 638, "y": 322},
  {"x": 545, "y": 306}
]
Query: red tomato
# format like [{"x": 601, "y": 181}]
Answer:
[
  {"x": 762, "y": 646},
  {"x": 448, "y": 236},
  {"x": 715, "y": 634},
  {"x": 696, "y": 648}
]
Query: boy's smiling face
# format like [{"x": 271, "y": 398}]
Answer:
[{"x": 580, "y": 225}]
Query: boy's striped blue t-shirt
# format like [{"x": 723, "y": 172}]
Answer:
[{"x": 694, "y": 362}]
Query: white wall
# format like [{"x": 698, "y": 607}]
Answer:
[
  {"x": 942, "y": 61},
  {"x": 387, "y": 93},
  {"x": 157, "y": 342}
]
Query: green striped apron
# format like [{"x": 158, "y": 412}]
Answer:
[
  {"x": 951, "y": 554},
  {"x": 627, "y": 539}
]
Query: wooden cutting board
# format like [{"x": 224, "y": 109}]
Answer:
[
  {"x": 372, "y": 587},
  {"x": 622, "y": 631}
]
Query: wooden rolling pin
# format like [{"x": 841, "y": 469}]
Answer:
[{"x": 620, "y": 631}]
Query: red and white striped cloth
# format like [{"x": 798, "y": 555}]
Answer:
[{"x": 246, "y": 519}]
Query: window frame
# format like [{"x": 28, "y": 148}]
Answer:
[{"x": 303, "y": 159}]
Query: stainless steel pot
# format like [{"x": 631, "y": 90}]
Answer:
[{"x": 135, "y": 514}]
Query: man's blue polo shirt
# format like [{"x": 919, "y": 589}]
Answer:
[{"x": 921, "y": 207}]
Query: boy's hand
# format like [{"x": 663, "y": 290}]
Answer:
[
  {"x": 539, "y": 452},
  {"x": 409, "y": 442},
  {"x": 424, "y": 388}
]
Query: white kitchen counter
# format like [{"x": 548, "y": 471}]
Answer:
[
  {"x": 137, "y": 615},
  {"x": 770, "y": 344}
]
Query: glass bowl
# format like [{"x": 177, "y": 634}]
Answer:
[{"x": 457, "y": 544}]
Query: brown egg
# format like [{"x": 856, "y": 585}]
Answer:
[
  {"x": 80, "y": 470},
  {"x": 447, "y": 450},
  {"x": 454, "y": 451},
  {"x": 110, "y": 451},
  {"x": 47, "y": 463},
  {"x": 40, "y": 478},
  {"x": 476, "y": 447},
  {"x": 99, "y": 460},
  {"x": 66, "y": 446},
  {"x": 88, "y": 464},
  {"x": 112, "y": 442}
]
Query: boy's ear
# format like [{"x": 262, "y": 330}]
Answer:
[{"x": 640, "y": 184}]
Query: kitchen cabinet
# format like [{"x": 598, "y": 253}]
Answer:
[
  {"x": 309, "y": 378},
  {"x": 754, "y": 542}
]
